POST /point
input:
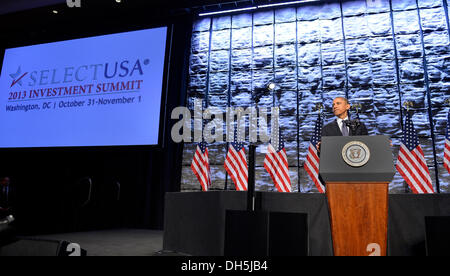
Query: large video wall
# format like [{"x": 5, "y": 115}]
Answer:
[{"x": 378, "y": 53}]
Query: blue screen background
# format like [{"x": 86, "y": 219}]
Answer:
[{"x": 31, "y": 119}]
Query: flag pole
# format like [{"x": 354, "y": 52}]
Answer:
[
  {"x": 251, "y": 178},
  {"x": 407, "y": 105},
  {"x": 251, "y": 170},
  {"x": 251, "y": 158}
]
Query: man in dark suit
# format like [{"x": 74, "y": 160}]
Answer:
[{"x": 342, "y": 126}]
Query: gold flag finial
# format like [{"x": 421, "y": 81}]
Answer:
[
  {"x": 408, "y": 105},
  {"x": 356, "y": 106},
  {"x": 319, "y": 107},
  {"x": 447, "y": 101}
]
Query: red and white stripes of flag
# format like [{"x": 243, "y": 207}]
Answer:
[
  {"x": 447, "y": 145},
  {"x": 411, "y": 163},
  {"x": 200, "y": 166},
  {"x": 236, "y": 166},
  {"x": 276, "y": 162},
  {"x": 236, "y": 160},
  {"x": 311, "y": 164},
  {"x": 447, "y": 155}
]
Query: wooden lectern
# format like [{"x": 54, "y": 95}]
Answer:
[{"x": 357, "y": 171}]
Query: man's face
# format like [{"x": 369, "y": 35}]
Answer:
[{"x": 340, "y": 107}]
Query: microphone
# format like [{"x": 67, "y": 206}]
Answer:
[{"x": 353, "y": 124}]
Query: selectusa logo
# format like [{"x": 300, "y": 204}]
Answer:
[
  {"x": 17, "y": 77},
  {"x": 109, "y": 77},
  {"x": 85, "y": 72}
]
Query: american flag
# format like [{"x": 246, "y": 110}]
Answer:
[
  {"x": 236, "y": 163},
  {"x": 447, "y": 146},
  {"x": 411, "y": 162},
  {"x": 312, "y": 158},
  {"x": 276, "y": 162},
  {"x": 200, "y": 166}
]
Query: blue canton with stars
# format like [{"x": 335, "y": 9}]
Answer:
[
  {"x": 410, "y": 139},
  {"x": 317, "y": 131},
  {"x": 277, "y": 141},
  {"x": 448, "y": 127},
  {"x": 237, "y": 143},
  {"x": 202, "y": 146}
]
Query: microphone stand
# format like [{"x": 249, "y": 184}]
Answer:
[
  {"x": 353, "y": 124},
  {"x": 251, "y": 151},
  {"x": 251, "y": 158}
]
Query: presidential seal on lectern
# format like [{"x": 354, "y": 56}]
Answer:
[{"x": 356, "y": 153}]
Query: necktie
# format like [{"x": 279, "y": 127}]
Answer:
[{"x": 344, "y": 128}]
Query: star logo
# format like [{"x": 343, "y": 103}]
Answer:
[{"x": 15, "y": 79}]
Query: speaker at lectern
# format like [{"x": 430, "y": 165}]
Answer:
[{"x": 357, "y": 171}]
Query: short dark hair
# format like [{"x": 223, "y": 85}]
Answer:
[{"x": 344, "y": 98}]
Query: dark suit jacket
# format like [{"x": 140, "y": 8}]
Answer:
[{"x": 332, "y": 129}]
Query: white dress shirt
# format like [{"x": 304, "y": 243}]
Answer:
[{"x": 339, "y": 121}]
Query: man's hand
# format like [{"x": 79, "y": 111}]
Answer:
[{"x": 318, "y": 146}]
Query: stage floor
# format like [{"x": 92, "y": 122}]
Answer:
[
  {"x": 194, "y": 222},
  {"x": 114, "y": 242}
]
